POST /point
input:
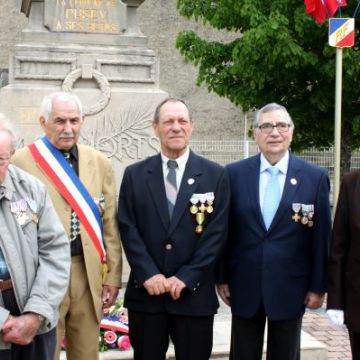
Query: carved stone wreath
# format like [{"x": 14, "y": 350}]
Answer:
[{"x": 104, "y": 85}]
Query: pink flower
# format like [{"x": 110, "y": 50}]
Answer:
[
  {"x": 123, "y": 342},
  {"x": 109, "y": 337}
]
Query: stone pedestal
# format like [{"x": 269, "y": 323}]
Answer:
[{"x": 93, "y": 48}]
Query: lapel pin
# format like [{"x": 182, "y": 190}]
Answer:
[
  {"x": 190, "y": 181},
  {"x": 293, "y": 181}
]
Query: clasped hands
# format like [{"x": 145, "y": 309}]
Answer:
[
  {"x": 159, "y": 284},
  {"x": 21, "y": 329}
]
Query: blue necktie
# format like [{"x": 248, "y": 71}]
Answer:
[{"x": 271, "y": 196}]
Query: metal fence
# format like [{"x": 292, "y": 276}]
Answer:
[{"x": 227, "y": 151}]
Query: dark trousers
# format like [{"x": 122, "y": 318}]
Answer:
[
  {"x": 247, "y": 338},
  {"x": 41, "y": 348},
  {"x": 355, "y": 344},
  {"x": 192, "y": 336}
]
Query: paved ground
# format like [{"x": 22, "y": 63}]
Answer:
[{"x": 316, "y": 324}]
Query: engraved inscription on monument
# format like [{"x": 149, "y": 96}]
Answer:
[
  {"x": 94, "y": 49},
  {"x": 85, "y": 16}
]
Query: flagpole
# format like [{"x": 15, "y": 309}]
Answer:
[{"x": 337, "y": 140}]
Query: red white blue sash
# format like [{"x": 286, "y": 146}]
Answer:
[{"x": 58, "y": 170}]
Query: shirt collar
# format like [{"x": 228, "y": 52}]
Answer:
[
  {"x": 282, "y": 164},
  {"x": 181, "y": 160}
]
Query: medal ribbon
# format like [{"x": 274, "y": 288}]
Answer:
[{"x": 59, "y": 171}]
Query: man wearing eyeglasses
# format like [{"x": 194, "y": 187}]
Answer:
[{"x": 274, "y": 264}]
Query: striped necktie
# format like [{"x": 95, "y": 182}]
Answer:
[
  {"x": 171, "y": 185},
  {"x": 271, "y": 196}
]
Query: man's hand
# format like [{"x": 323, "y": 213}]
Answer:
[
  {"x": 313, "y": 300},
  {"x": 156, "y": 285},
  {"x": 108, "y": 295},
  {"x": 175, "y": 286},
  {"x": 21, "y": 329},
  {"x": 224, "y": 293}
]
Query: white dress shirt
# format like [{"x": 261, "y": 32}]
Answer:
[{"x": 181, "y": 161}]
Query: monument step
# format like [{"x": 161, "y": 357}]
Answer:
[{"x": 311, "y": 349}]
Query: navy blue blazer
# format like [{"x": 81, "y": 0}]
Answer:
[
  {"x": 153, "y": 244},
  {"x": 280, "y": 265}
]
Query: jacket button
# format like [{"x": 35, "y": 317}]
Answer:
[{"x": 168, "y": 246}]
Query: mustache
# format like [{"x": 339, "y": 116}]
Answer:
[{"x": 67, "y": 136}]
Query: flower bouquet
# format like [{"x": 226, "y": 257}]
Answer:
[{"x": 114, "y": 328}]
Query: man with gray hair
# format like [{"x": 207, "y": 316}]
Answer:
[
  {"x": 274, "y": 264},
  {"x": 34, "y": 261},
  {"x": 81, "y": 184}
]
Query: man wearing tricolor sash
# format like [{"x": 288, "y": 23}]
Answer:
[{"x": 81, "y": 183}]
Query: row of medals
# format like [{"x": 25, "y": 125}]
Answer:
[
  {"x": 199, "y": 212},
  {"x": 18, "y": 208},
  {"x": 307, "y": 212}
]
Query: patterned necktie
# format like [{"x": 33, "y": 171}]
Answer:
[
  {"x": 171, "y": 186},
  {"x": 74, "y": 221},
  {"x": 271, "y": 196}
]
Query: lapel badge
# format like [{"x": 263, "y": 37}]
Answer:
[
  {"x": 293, "y": 181},
  {"x": 190, "y": 181}
]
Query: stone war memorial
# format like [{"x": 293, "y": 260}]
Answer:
[{"x": 95, "y": 49}]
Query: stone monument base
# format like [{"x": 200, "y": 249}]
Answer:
[{"x": 311, "y": 349}]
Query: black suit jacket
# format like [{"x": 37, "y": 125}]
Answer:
[{"x": 153, "y": 244}]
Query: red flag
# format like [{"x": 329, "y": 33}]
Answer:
[{"x": 322, "y": 9}]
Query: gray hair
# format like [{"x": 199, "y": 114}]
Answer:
[
  {"x": 7, "y": 126},
  {"x": 169, "y": 99},
  {"x": 269, "y": 108},
  {"x": 47, "y": 103}
]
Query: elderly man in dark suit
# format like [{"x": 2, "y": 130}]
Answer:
[
  {"x": 173, "y": 210},
  {"x": 279, "y": 227},
  {"x": 344, "y": 265}
]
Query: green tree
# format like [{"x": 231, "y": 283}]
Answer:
[{"x": 277, "y": 53}]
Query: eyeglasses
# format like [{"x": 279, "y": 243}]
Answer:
[{"x": 267, "y": 128}]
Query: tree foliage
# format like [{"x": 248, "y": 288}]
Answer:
[{"x": 278, "y": 54}]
